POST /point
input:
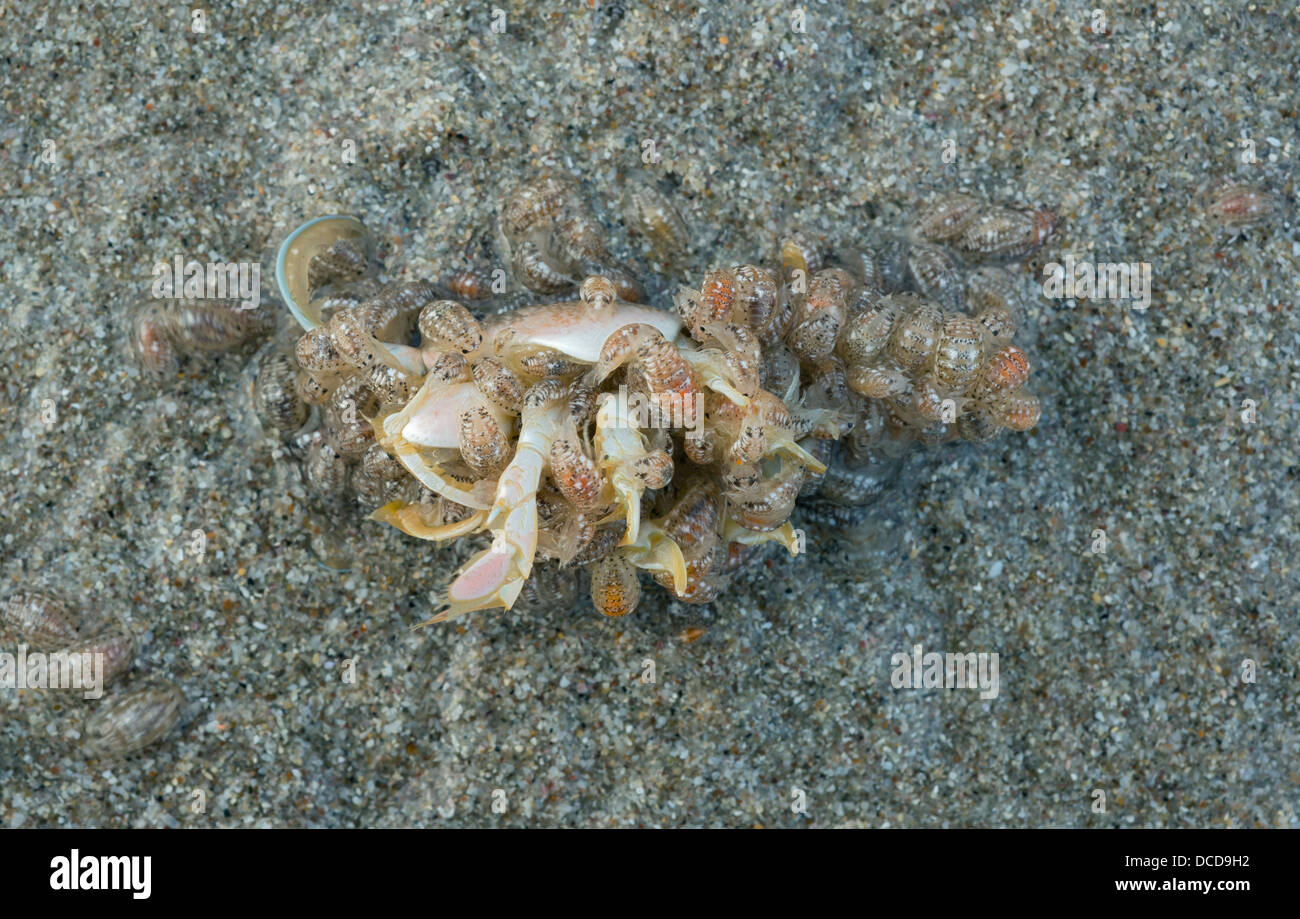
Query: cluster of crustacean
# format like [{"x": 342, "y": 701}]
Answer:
[
  {"x": 122, "y": 723},
  {"x": 603, "y": 432}
]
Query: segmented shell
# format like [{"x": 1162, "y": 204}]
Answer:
[
  {"x": 936, "y": 273},
  {"x": 1019, "y": 411},
  {"x": 275, "y": 393},
  {"x": 469, "y": 284},
  {"x": 446, "y": 324},
  {"x": 715, "y": 301},
  {"x": 770, "y": 503},
  {"x": 960, "y": 353},
  {"x": 344, "y": 260},
  {"x": 311, "y": 390},
  {"x": 598, "y": 292},
  {"x": 615, "y": 588},
  {"x": 1234, "y": 204},
  {"x": 655, "y": 469},
  {"x": 915, "y": 335},
  {"x": 130, "y": 722},
  {"x": 535, "y": 202},
  {"x": 389, "y": 384},
  {"x": 538, "y": 271},
  {"x": 496, "y": 382},
  {"x": 824, "y": 309},
  {"x": 1006, "y": 232},
  {"x": 40, "y": 619},
  {"x": 1006, "y": 371},
  {"x": 448, "y": 367},
  {"x": 878, "y": 382},
  {"x": 693, "y": 520},
  {"x": 945, "y": 217},
  {"x": 648, "y": 212},
  {"x": 865, "y": 335},
  {"x": 324, "y": 469},
  {"x": 575, "y": 474},
  {"x": 316, "y": 352},
  {"x": 483, "y": 445}
]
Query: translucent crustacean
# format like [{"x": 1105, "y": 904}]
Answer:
[{"x": 611, "y": 434}]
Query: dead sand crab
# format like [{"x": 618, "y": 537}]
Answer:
[{"x": 607, "y": 433}]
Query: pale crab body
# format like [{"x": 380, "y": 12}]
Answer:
[{"x": 575, "y": 329}]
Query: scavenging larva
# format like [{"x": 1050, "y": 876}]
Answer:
[{"x": 806, "y": 379}]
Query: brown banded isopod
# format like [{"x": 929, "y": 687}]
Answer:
[
  {"x": 915, "y": 335},
  {"x": 39, "y": 618},
  {"x": 276, "y": 398},
  {"x": 648, "y": 212},
  {"x": 1235, "y": 205},
  {"x": 448, "y": 325},
  {"x": 116, "y": 647},
  {"x": 937, "y": 273},
  {"x": 865, "y": 335},
  {"x": 325, "y": 471},
  {"x": 615, "y": 588},
  {"x": 1005, "y": 232},
  {"x": 1005, "y": 372},
  {"x": 960, "y": 353},
  {"x": 945, "y": 217},
  {"x": 343, "y": 260},
  {"x": 129, "y": 722},
  {"x": 1018, "y": 411}
]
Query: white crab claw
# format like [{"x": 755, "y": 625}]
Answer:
[{"x": 495, "y": 576}]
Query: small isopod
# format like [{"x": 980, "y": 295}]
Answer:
[
  {"x": 278, "y": 402},
  {"x": 648, "y": 212},
  {"x": 945, "y": 217},
  {"x": 40, "y": 618},
  {"x": 117, "y": 648},
  {"x": 1235, "y": 205},
  {"x": 1005, "y": 232},
  {"x": 915, "y": 335},
  {"x": 129, "y": 722},
  {"x": 615, "y": 588},
  {"x": 1005, "y": 372},
  {"x": 446, "y": 324}
]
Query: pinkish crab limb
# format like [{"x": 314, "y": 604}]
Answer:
[{"x": 495, "y": 576}]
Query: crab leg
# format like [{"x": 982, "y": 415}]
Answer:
[
  {"x": 619, "y": 443},
  {"x": 732, "y": 531},
  {"x": 495, "y": 576},
  {"x": 712, "y": 371},
  {"x": 656, "y": 551},
  {"x": 407, "y": 518}
]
